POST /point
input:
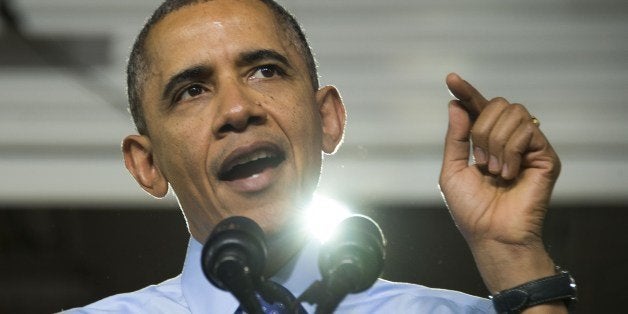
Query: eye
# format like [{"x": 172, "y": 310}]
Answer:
[
  {"x": 190, "y": 92},
  {"x": 266, "y": 71}
]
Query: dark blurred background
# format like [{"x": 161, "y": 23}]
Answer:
[
  {"x": 74, "y": 226},
  {"x": 59, "y": 258}
]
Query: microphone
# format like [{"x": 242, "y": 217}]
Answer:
[
  {"x": 233, "y": 259},
  {"x": 349, "y": 262},
  {"x": 353, "y": 258}
]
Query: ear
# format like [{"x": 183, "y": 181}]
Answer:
[
  {"x": 138, "y": 159},
  {"x": 333, "y": 117}
]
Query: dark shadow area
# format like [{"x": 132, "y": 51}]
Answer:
[
  {"x": 62, "y": 258},
  {"x": 588, "y": 240}
]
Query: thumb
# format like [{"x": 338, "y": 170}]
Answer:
[{"x": 456, "y": 156}]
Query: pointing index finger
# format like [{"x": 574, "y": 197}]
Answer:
[{"x": 470, "y": 97}]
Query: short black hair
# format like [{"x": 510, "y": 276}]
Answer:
[{"x": 138, "y": 64}]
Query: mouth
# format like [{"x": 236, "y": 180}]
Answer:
[{"x": 250, "y": 162}]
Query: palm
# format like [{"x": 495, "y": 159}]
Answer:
[{"x": 486, "y": 207}]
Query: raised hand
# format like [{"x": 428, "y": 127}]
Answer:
[{"x": 498, "y": 198}]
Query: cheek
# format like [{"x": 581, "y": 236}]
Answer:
[
  {"x": 299, "y": 122},
  {"x": 180, "y": 149},
  {"x": 308, "y": 135},
  {"x": 303, "y": 122}
]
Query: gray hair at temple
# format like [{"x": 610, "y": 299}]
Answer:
[{"x": 138, "y": 65}]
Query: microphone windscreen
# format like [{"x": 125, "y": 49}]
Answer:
[
  {"x": 354, "y": 255},
  {"x": 235, "y": 242}
]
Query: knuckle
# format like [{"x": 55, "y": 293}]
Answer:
[
  {"x": 495, "y": 107},
  {"x": 499, "y": 101},
  {"x": 529, "y": 127},
  {"x": 519, "y": 110},
  {"x": 555, "y": 166},
  {"x": 517, "y": 107}
]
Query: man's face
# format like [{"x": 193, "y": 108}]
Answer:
[{"x": 235, "y": 127}]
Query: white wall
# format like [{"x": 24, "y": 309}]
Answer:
[{"x": 566, "y": 60}]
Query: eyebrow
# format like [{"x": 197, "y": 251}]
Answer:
[
  {"x": 200, "y": 72},
  {"x": 255, "y": 56},
  {"x": 190, "y": 74}
]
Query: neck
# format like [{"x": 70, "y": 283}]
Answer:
[{"x": 282, "y": 247}]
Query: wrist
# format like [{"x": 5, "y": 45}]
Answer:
[{"x": 503, "y": 266}]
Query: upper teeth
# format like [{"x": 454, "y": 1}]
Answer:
[{"x": 253, "y": 157}]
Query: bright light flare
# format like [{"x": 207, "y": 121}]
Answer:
[{"x": 323, "y": 215}]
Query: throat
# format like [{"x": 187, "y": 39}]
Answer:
[{"x": 282, "y": 251}]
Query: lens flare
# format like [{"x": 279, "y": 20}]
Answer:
[{"x": 323, "y": 215}]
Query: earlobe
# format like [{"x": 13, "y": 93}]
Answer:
[
  {"x": 333, "y": 117},
  {"x": 138, "y": 159}
]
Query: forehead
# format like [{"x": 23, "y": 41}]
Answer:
[{"x": 213, "y": 31}]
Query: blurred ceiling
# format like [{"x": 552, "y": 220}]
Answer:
[{"x": 63, "y": 109}]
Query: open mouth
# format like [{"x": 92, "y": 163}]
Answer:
[{"x": 250, "y": 162}]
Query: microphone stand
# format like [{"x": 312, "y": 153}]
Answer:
[
  {"x": 327, "y": 294},
  {"x": 272, "y": 292},
  {"x": 239, "y": 282}
]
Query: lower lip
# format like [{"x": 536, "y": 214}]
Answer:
[{"x": 257, "y": 182}]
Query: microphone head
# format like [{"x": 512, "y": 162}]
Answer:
[
  {"x": 235, "y": 242},
  {"x": 354, "y": 256}
]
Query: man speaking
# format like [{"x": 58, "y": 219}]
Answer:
[{"x": 230, "y": 116}]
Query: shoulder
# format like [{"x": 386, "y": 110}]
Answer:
[
  {"x": 165, "y": 297},
  {"x": 387, "y": 297}
]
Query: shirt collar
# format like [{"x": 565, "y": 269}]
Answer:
[{"x": 203, "y": 297}]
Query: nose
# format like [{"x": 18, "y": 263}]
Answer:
[{"x": 237, "y": 109}]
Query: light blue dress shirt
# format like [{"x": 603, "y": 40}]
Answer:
[{"x": 190, "y": 292}]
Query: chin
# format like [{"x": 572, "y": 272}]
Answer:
[{"x": 277, "y": 220}]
